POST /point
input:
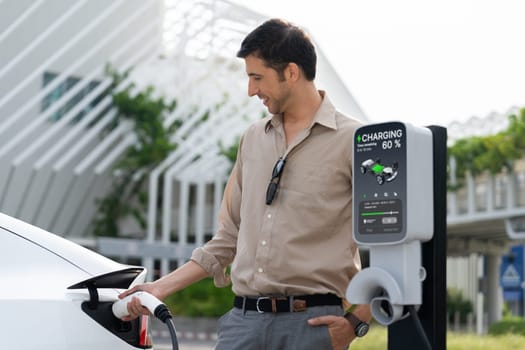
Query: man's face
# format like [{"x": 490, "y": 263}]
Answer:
[{"x": 266, "y": 83}]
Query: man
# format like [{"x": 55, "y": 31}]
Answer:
[{"x": 286, "y": 232}]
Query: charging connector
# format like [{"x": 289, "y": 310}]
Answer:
[{"x": 154, "y": 305}]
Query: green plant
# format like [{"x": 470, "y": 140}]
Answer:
[
  {"x": 457, "y": 303},
  {"x": 508, "y": 325},
  {"x": 201, "y": 299},
  {"x": 127, "y": 196}
]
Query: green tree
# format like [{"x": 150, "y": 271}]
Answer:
[
  {"x": 128, "y": 196},
  {"x": 492, "y": 153}
]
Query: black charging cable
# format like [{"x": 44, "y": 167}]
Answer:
[
  {"x": 419, "y": 326},
  {"x": 163, "y": 314}
]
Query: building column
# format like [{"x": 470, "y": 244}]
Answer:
[{"x": 494, "y": 296}]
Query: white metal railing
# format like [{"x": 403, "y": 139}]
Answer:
[
  {"x": 84, "y": 81},
  {"x": 20, "y": 20},
  {"x": 38, "y": 40},
  {"x": 63, "y": 49},
  {"x": 487, "y": 197},
  {"x": 75, "y": 89}
]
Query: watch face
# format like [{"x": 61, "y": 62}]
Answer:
[{"x": 361, "y": 329}]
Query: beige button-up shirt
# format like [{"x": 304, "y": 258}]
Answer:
[{"x": 302, "y": 242}]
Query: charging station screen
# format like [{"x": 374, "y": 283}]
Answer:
[{"x": 380, "y": 182}]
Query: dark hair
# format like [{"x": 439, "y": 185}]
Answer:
[{"x": 279, "y": 43}]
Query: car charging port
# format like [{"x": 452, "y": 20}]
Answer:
[{"x": 135, "y": 333}]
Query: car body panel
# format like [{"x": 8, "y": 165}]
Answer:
[
  {"x": 38, "y": 309},
  {"x": 57, "y": 325}
]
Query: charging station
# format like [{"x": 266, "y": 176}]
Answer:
[{"x": 399, "y": 195}]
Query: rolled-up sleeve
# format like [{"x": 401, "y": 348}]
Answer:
[{"x": 218, "y": 253}]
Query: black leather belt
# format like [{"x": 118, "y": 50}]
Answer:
[{"x": 285, "y": 304}]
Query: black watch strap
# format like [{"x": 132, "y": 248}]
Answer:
[{"x": 360, "y": 327}]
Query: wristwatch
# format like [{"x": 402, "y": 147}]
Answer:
[{"x": 360, "y": 327}]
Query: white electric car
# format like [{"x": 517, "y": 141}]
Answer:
[{"x": 55, "y": 294}]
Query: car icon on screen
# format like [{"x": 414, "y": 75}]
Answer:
[{"x": 382, "y": 172}]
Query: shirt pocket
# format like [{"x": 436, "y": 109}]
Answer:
[{"x": 312, "y": 181}]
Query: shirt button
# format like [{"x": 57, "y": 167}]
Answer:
[
  {"x": 263, "y": 242},
  {"x": 260, "y": 269},
  {"x": 269, "y": 216}
]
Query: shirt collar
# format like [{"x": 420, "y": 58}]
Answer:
[{"x": 325, "y": 115}]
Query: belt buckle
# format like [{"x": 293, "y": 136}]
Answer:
[{"x": 257, "y": 304}]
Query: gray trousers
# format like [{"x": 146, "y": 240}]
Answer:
[{"x": 250, "y": 330}]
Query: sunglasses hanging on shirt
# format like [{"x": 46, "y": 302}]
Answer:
[{"x": 271, "y": 192}]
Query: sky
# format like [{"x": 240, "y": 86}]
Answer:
[{"x": 418, "y": 61}]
